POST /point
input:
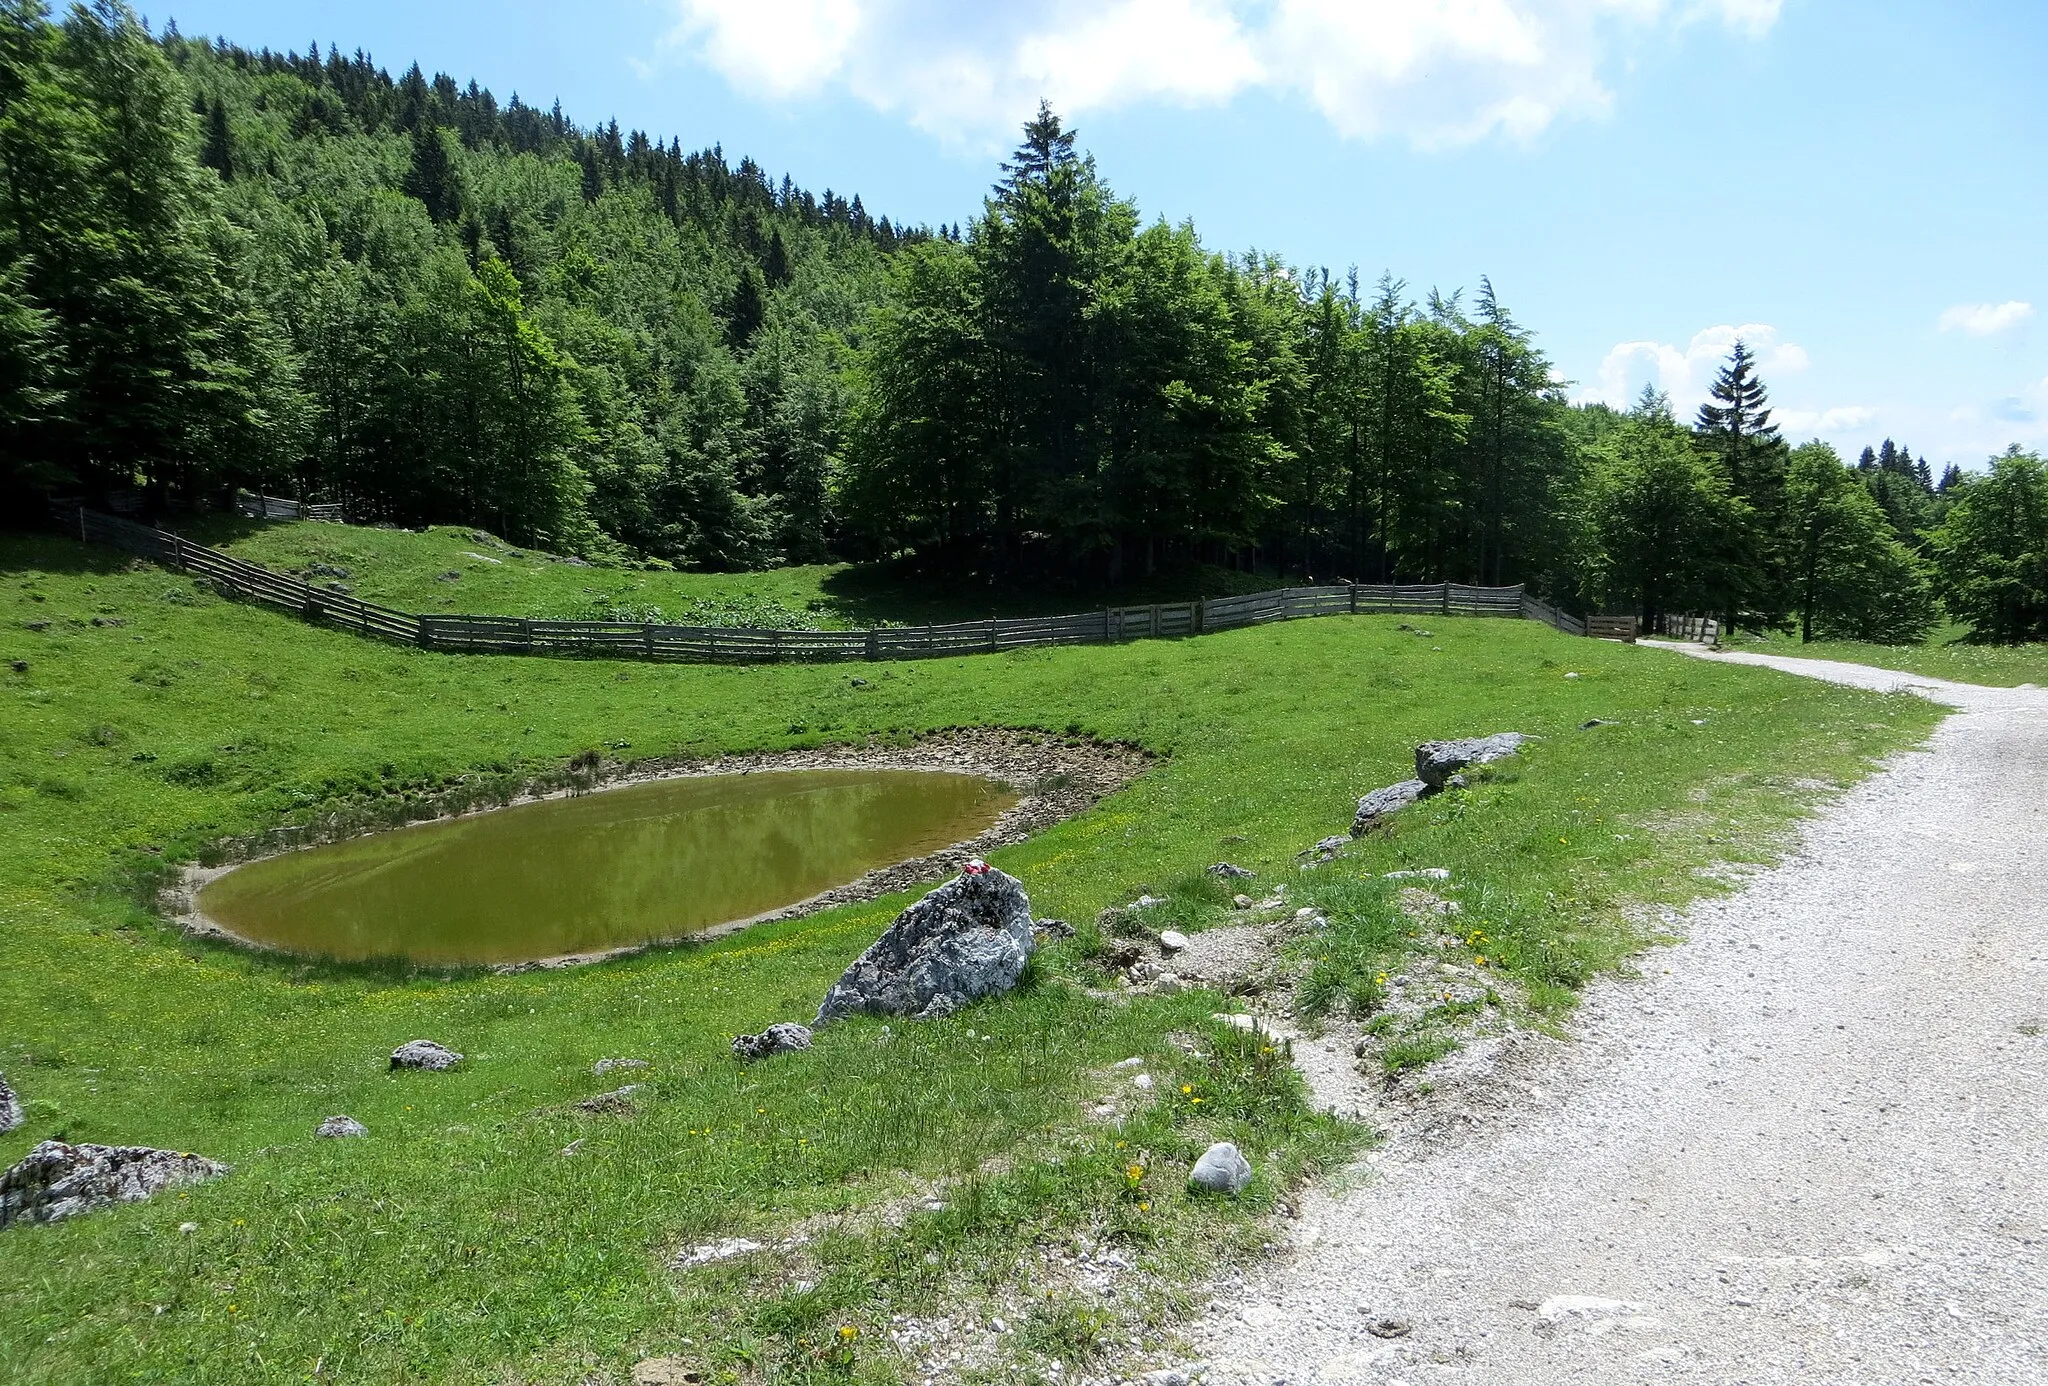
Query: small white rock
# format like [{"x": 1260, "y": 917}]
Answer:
[
  {"x": 1561, "y": 1307},
  {"x": 341, "y": 1127},
  {"x": 1172, "y": 940},
  {"x": 1143, "y": 1082},
  {"x": 722, "y": 1250}
]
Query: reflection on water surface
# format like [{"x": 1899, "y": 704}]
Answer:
[{"x": 608, "y": 870}]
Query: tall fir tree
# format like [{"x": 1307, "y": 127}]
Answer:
[
  {"x": 217, "y": 150},
  {"x": 1734, "y": 426}
]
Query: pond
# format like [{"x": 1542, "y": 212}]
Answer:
[{"x": 614, "y": 869}]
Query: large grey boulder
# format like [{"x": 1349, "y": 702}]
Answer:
[
  {"x": 1382, "y": 802},
  {"x": 968, "y": 939},
  {"x": 1222, "y": 1169},
  {"x": 785, "y": 1037},
  {"x": 424, "y": 1054},
  {"x": 1437, "y": 761},
  {"x": 11, "y": 1114},
  {"x": 56, "y": 1180}
]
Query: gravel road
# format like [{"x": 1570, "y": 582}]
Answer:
[{"x": 1809, "y": 1145}]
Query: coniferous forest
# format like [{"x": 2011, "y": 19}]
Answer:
[{"x": 298, "y": 274}]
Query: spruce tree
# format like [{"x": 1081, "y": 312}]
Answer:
[
  {"x": 217, "y": 152},
  {"x": 1734, "y": 425},
  {"x": 432, "y": 178},
  {"x": 775, "y": 265},
  {"x": 743, "y": 314}
]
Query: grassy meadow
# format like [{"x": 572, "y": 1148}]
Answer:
[
  {"x": 449, "y": 568},
  {"x": 147, "y": 718}
]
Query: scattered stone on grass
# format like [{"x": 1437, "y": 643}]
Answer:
[
  {"x": 615, "y": 1103},
  {"x": 1437, "y": 761},
  {"x": 11, "y": 1114},
  {"x": 1172, "y": 940},
  {"x": 1422, "y": 873},
  {"x": 1240, "y": 902},
  {"x": 1421, "y": 904},
  {"x": 341, "y": 1128},
  {"x": 1231, "y": 872},
  {"x": 724, "y": 1249},
  {"x": 56, "y": 1181},
  {"x": 424, "y": 1054},
  {"x": 1222, "y": 1169},
  {"x": 784, "y": 1037},
  {"x": 1047, "y": 930},
  {"x": 968, "y": 939},
  {"x": 1382, "y": 803},
  {"x": 604, "y": 1066}
]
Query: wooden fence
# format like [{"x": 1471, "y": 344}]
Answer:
[
  {"x": 729, "y": 645},
  {"x": 1703, "y": 629},
  {"x": 261, "y": 507}
]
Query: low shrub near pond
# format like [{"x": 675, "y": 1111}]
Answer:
[{"x": 487, "y": 1230}]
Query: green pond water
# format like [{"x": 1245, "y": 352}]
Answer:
[{"x": 649, "y": 862}]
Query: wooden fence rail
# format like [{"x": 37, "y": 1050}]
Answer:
[
  {"x": 1704, "y": 630},
  {"x": 732, "y": 645},
  {"x": 261, "y": 507}
]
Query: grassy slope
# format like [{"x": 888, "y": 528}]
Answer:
[
  {"x": 1943, "y": 655},
  {"x": 457, "y": 1244},
  {"x": 410, "y": 569}
]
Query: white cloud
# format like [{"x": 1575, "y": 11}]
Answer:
[
  {"x": 1805, "y": 423},
  {"x": 1684, "y": 373},
  {"x": 1984, "y": 319},
  {"x": 1433, "y": 71},
  {"x": 780, "y": 47}
]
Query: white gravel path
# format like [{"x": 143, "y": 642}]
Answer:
[{"x": 1809, "y": 1145}]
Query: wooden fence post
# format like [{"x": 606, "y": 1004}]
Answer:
[
  {"x": 874, "y": 644},
  {"x": 1447, "y": 599}
]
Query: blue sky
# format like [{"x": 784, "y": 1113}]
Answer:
[{"x": 1861, "y": 189}]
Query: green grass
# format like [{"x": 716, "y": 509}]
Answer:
[
  {"x": 454, "y": 569},
  {"x": 1946, "y": 654},
  {"x": 457, "y": 1244}
]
